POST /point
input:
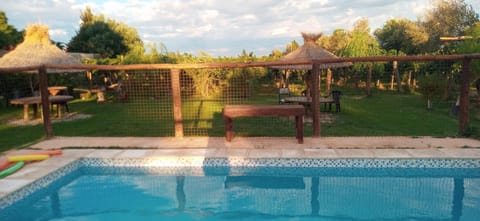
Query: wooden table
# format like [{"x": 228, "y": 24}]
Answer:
[
  {"x": 54, "y": 90},
  {"x": 307, "y": 100},
  {"x": 59, "y": 100}
]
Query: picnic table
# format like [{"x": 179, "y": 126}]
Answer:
[{"x": 59, "y": 100}]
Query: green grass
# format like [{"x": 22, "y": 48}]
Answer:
[
  {"x": 392, "y": 114},
  {"x": 383, "y": 114}
]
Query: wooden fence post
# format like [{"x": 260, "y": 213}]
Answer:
[
  {"x": 464, "y": 109},
  {"x": 43, "y": 84},
  {"x": 315, "y": 100},
  {"x": 177, "y": 102}
]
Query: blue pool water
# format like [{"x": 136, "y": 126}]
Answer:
[{"x": 259, "y": 193}]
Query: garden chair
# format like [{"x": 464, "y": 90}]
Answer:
[
  {"x": 283, "y": 92},
  {"x": 336, "y": 99}
]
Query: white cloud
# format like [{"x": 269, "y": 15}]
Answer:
[
  {"x": 57, "y": 32},
  {"x": 216, "y": 26}
]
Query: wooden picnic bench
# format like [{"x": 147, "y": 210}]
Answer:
[
  {"x": 59, "y": 100},
  {"x": 233, "y": 111}
]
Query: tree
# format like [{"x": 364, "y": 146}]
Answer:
[
  {"x": 362, "y": 44},
  {"x": 292, "y": 46},
  {"x": 473, "y": 46},
  {"x": 401, "y": 35},
  {"x": 447, "y": 18},
  {"x": 106, "y": 37},
  {"x": 98, "y": 38},
  {"x": 9, "y": 36}
]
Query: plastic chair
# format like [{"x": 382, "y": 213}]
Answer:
[
  {"x": 283, "y": 92},
  {"x": 336, "y": 99}
]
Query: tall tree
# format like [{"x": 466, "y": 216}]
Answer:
[
  {"x": 361, "y": 42},
  {"x": 447, "y": 18},
  {"x": 336, "y": 42},
  {"x": 401, "y": 35},
  {"x": 104, "y": 36},
  {"x": 98, "y": 38},
  {"x": 9, "y": 36},
  {"x": 292, "y": 46}
]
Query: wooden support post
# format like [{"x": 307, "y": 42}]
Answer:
[
  {"x": 315, "y": 100},
  {"x": 369, "y": 80},
  {"x": 464, "y": 109},
  {"x": 43, "y": 83},
  {"x": 177, "y": 102}
]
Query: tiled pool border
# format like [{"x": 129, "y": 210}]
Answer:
[{"x": 199, "y": 162}]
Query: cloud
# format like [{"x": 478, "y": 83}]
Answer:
[{"x": 216, "y": 26}]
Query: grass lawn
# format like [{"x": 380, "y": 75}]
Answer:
[{"x": 383, "y": 114}]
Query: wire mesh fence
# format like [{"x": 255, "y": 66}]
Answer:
[{"x": 141, "y": 102}]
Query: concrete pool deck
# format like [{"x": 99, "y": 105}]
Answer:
[{"x": 75, "y": 148}]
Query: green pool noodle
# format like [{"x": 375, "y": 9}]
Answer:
[{"x": 11, "y": 169}]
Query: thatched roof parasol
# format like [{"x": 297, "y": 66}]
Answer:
[
  {"x": 310, "y": 51},
  {"x": 36, "y": 49}
]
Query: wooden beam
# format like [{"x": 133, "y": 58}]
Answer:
[
  {"x": 315, "y": 100},
  {"x": 464, "y": 109},
  {"x": 32, "y": 69},
  {"x": 177, "y": 102},
  {"x": 246, "y": 64},
  {"x": 43, "y": 84}
]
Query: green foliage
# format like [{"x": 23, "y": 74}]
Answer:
[
  {"x": 106, "y": 37},
  {"x": 361, "y": 43},
  {"x": 98, "y": 38},
  {"x": 447, "y": 18},
  {"x": 401, "y": 35},
  {"x": 154, "y": 55},
  {"x": 9, "y": 36},
  {"x": 472, "y": 46},
  {"x": 292, "y": 46}
]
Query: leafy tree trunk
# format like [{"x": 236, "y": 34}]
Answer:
[
  {"x": 282, "y": 79},
  {"x": 391, "y": 83},
  {"x": 329, "y": 80},
  {"x": 287, "y": 77},
  {"x": 409, "y": 80},
  {"x": 397, "y": 76}
]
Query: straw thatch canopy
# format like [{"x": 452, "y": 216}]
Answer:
[
  {"x": 36, "y": 49},
  {"x": 310, "y": 51}
]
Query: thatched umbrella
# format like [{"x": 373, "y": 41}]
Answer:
[
  {"x": 36, "y": 49},
  {"x": 307, "y": 52},
  {"x": 310, "y": 51}
]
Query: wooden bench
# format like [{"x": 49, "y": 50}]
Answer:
[{"x": 233, "y": 111}]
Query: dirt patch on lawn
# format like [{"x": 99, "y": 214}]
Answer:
[{"x": 66, "y": 117}]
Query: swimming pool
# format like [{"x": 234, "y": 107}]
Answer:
[{"x": 252, "y": 189}]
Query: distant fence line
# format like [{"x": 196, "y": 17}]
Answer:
[{"x": 465, "y": 79}]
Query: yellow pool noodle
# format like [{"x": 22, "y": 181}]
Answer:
[{"x": 27, "y": 158}]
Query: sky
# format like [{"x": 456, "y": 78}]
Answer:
[{"x": 217, "y": 27}]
